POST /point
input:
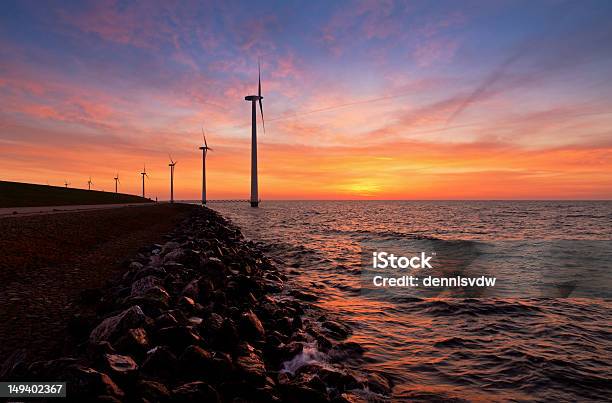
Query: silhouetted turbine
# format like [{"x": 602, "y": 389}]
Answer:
[
  {"x": 204, "y": 149},
  {"x": 254, "y": 99}
]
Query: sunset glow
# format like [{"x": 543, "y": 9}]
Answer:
[{"x": 365, "y": 100}]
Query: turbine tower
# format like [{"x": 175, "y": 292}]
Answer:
[
  {"x": 66, "y": 183},
  {"x": 254, "y": 99},
  {"x": 89, "y": 183},
  {"x": 171, "y": 165},
  {"x": 144, "y": 173},
  {"x": 204, "y": 149},
  {"x": 116, "y": 178}
]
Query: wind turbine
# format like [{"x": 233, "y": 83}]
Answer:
[
  {"x": 116, "y": 178},
  {"x": 204, "y": 149},
  {"x": 171, "y": 165},
  {"x": 144, "y": 173},
  {"x": 66, "y": 183},
  {"x": 89, "y": 183},
  {"x": 254, "y": 99}
]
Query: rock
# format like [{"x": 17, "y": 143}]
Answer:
[
  {"x": 154, "y": 301},
  {"x": 297, "y": 322},
  {"x": 346, "y": 351},
  {"x": 378, "y": 384},
  {"x": 196, "y": 362},
  {"x": 352, "y": 397},
  {"x": 160, "y": 363},
  {"x": 86, "y": 382},
  {"x": 222, "y": 365},
  {"x": 192, "y": 290},
  {"x": 195, "y": 392},
  {"x": 143, "y": 285},
  {"x": 225, "y": 338},
  {"x": 304, "y": 296},
  {"x": 166, "y": 319},
  {"x": 120, "y": 364},
  {"x": 251, "y": 365},
  {"x": 177, "y": 337},
  {"x": 107, "y": 399},
  {"x": 251, "y": 327},
  {"x": 186, "y": 303},
  {"x": 341, "y": 379},
  {"x": 284, "y": 325},
  {"x": 157, "y": 272},
  {"x": 134, "y": 341},
  {"x": 153, "y": 391},
  {"x": 309, "y": 395},
  {"x": 96, "y": 351},
  {"x": 169, "y": 246},
  {"x": 288, "y": 351},
  {"x": 135, "y": 266},
  {"x": 335, "y": 329},
  {"x": 112, "y": 327},
  {"x": 80, "y": 326},
  {"x": 173, "y": 257}
]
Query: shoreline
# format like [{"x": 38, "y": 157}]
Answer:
[{"x": 204, "y": 316}]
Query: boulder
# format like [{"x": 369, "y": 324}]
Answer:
[
  {"x": 166, "y": 319},
  {"x": 114, "y": 326},
  {"x": 250, "y": 364},
  {"x": 195, "y": 392},
  {"x": 196, "y": 362},
  {"x": 192, "y": 290},
  {"x": 378, "y": 384},
  {"x": 177, "y": 337},
  {"x": 121, "y": 365},
  {"x": 134, "y": 341},
  {"x": 144, "y": 284},
  {"x": 304, "y": 296},
  {"x": 335, "y": 329},
  {"x": 153, "y": 391},
  {"x": 83, "y": 383},
  {"x": 251, "y": 327},
  {"x": 160, "y": 363}
]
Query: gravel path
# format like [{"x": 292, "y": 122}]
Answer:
[{"x": 47, "y": 260}]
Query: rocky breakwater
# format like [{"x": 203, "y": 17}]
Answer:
[{"x": 204, "y": 317}]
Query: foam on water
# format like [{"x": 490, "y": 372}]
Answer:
[{"x": 309, "y": 355}]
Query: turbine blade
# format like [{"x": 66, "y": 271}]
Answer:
[
  {"x": 259, "y": 95},
  {"x": 203, "y": 136},
  {"x": 263, "y": 123}
]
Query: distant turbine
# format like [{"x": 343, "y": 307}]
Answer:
[
  {"x": 171, "y": 165},
  {"x": 66, "y": 183},
  {"x": 254, "y": 99},
  {"x": 116, "y": 178},
  {"x": 144, "y": 173},
  {"x": 89, "y": 183},
  {"x": 204, "y": 149}
]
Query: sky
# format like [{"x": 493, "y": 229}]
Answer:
[{"x": 362, "y": 100}]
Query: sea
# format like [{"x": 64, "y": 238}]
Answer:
[{"x": 542, "y": 333}]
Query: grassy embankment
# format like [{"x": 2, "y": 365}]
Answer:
[{"x": 15, "y": 194}]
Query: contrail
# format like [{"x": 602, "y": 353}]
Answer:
[{"x": 488, "y": 82}]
